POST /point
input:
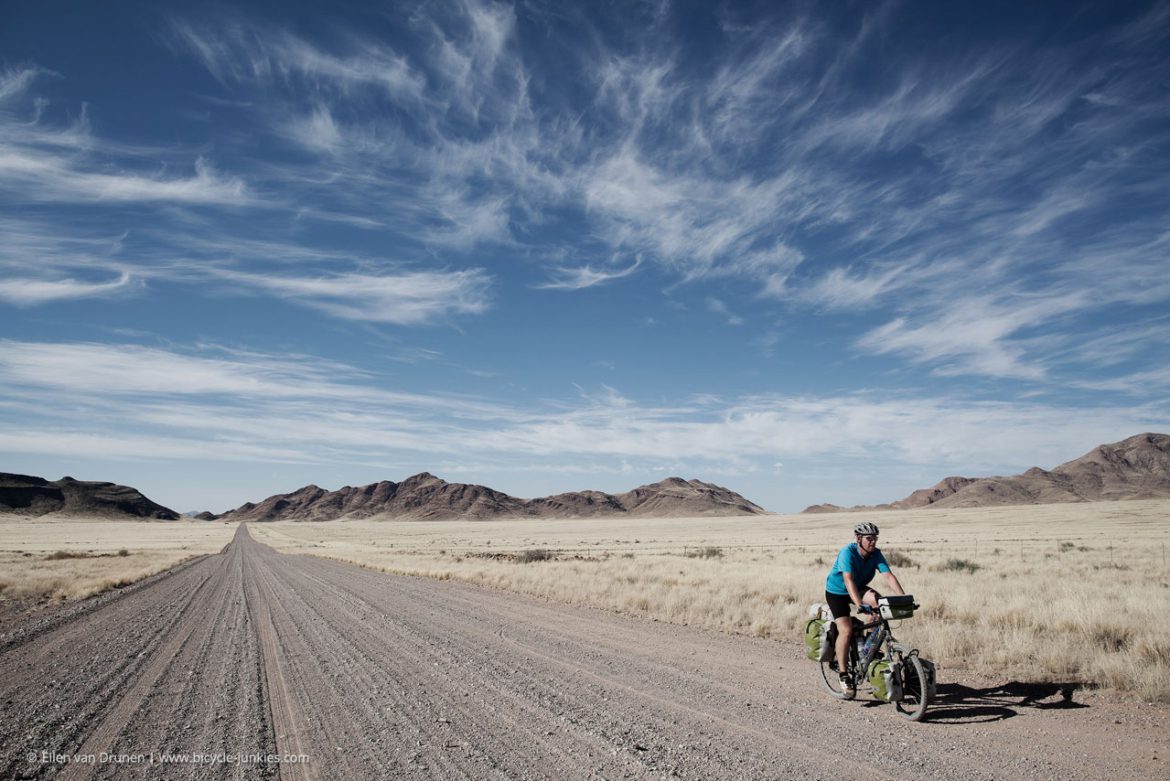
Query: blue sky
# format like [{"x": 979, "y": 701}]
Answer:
[{"x": 809, "y": 251}]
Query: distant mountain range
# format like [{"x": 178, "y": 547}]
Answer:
[
  {"x": 1135, "y": 468},
  {"x": 426, "y": 497},
  {"x": 423, "y": 497},
  {"x": 34, "y": 496}
]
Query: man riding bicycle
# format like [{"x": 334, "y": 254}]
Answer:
[{"x": 848, "y": 585}]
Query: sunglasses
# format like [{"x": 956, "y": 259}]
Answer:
[{"x": 869, "y": 537}]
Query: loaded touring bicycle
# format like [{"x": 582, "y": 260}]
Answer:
[{"x": 891, "y": 671}]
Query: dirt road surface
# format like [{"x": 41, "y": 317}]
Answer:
[{"x": 252, "y": 664}]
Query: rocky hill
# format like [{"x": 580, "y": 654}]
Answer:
[
  {"x": 34, "y": 496},
  {"x": 1135, "y": 468},
  {"x": 426, "y": 497}
]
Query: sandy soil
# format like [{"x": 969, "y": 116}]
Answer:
[{"x": 366, "y": 675}]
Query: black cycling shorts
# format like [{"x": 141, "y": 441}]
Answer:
[{"x": 841, "y": 604}]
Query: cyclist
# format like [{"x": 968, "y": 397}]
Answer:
[{"x": 848, "y": 585}]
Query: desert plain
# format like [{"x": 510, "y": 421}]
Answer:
[{"x": 606, "y": 648}]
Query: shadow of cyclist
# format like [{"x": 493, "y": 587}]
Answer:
[{"x": 959, "y": 704}]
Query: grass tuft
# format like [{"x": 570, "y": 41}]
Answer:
[
  {"x": 60, "y": 555},
  {"x": 1112, "y": 637},
  {"x": 899, "y": 559},
  {"x": 958, "y": 565}
]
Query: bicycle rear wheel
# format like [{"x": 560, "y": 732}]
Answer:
[
  {"x": 831, "y": 679},
  {"x": 915, "y": 694}
]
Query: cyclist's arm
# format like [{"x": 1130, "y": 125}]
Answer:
[
  {"x": 892, "y": 579},
  {"x": 847, "y": 576}
]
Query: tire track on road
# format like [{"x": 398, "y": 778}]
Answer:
[
  {"x": 286, "y": 722},
  {"x": 197, "y": 613}
]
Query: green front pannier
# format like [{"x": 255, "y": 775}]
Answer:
[{"x": 884, "y": 680}]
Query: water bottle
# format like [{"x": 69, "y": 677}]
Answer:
[{"x": 871, "y": 645}]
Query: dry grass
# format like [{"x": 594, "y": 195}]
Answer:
[
  {"x": 1030, "y": 593},
  {"x": 70, "y": 559}
]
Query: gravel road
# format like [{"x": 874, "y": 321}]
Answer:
[{"x": 252, "y": 664}]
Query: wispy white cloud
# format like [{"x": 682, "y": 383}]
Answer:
[
  {"x": 579, "y": 278},
  {"x": 1139, "y": 383},
  {"x": 720, "y": 308},
  {"x": 405, "y": 298},
  {"x": 699, "y": 226},
  {"x": 31, "y": 292},
  {"x": 15, "y": 82},
  {"x": 121, "y": 445},
  {"x": 223, "y": 377},
  {"x": 839, "y": 288},
  {"x": 973, "y": 334},
  {"x": 123, "y": 369},
  {"x": 242, "y": 52},
  {"x": 1113, "y": 345},
  {"x": 40, "y": 163},
  {"x": 316, "y": 131},
  {"x": 41, "y": 177}
]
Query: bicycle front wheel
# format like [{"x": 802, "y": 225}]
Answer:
[{"x": 915, "y": 694}]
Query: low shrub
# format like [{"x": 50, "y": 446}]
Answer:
[
  {"x": 897, "y": 559},
  {"x": 710, "y": 552},
  {"x": 958, "y": 565},
  {"x": 534, "y": 554},
  {"x": 66, "y": 554}
]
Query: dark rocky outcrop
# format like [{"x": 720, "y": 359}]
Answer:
[{"x": 35, "y": 496}]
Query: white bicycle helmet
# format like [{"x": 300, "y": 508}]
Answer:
[{"x": 865, "y": 528}]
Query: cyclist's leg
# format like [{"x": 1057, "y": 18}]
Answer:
[
  {"x": 844, "y": 638},
  {"x": 844, "y": 649},
  {"x": 839, "y": 604}
]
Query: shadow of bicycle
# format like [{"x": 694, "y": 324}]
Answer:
[{"x": 959, "y": 704}]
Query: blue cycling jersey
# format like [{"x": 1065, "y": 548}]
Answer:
[{"x": 862, "y": 568}]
